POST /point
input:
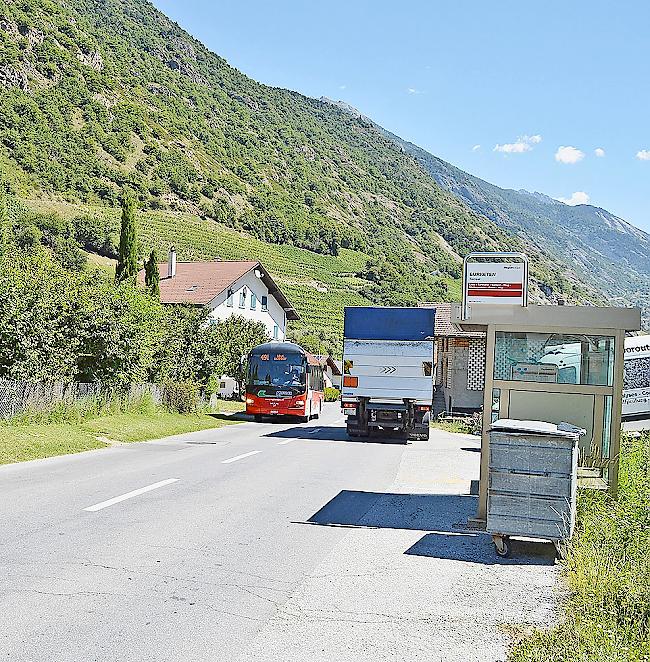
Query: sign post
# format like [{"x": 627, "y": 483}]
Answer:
[{"x": 487, "y": 281}]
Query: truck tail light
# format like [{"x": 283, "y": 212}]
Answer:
[{"x": 353, "y": 382}]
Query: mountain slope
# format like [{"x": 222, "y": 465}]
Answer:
[
  {"x": 102, "y": 94},
  {"x": 604, "y": 250}
]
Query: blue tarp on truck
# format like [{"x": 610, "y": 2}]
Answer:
[{"x": 368, "y": 323}]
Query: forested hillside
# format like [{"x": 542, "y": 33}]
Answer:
[{"x": 102, "y": 94}]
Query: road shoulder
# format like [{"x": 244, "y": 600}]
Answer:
[{"x": 410, "y": 581}]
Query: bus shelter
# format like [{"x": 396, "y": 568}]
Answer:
[{"x": 555, "y": 364}]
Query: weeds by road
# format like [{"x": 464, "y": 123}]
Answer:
[
  {"x": 607, "y": 614},
  {"x": 31, "y": 437},
  {"x": 457, "y": 427}
]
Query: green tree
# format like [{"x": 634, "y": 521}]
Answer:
[
  {"x": 235, "y": 337},
  {"x": 189, "y": 348},
  {"x": 152, "y": 274},
  {"x": 127, "y": 261},
  {"x": 119, "y": 334},
  {"x": 4, "y": 222},
  {"x": 61, "y": 325}
]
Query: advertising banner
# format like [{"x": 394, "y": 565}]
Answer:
[{"x": 636, "y": 376}]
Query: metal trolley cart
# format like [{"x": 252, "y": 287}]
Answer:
[{"x": 533, "y": 469}]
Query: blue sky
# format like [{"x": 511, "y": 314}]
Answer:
[{"x": 461, "y": 78}]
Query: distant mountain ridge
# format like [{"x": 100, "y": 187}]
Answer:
[{"x": 605, "y": 250}]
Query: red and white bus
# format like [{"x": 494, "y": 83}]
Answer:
[{"x": 283, "y": 380}]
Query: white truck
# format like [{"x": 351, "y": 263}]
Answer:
[{"x": 387, "y": 371}]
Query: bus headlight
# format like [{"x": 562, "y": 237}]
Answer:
[{"x": 249, "y": 401}]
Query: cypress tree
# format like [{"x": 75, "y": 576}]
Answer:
[
  {"x": 152, "y": 274},
  {"x": 127, "y": 262}
]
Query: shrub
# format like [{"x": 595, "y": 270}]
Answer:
[
  {"x": 607, "y": 613},
  {"x": 181, "y": 396},
  {"x": 331, "y": 394}
]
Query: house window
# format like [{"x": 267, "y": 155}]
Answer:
[
  {"x": 265, "y": 303},
  {"x": 242, "y": 298},
  {"x": 253, "y": 301},
  {"x": 276, "y": 332},
  {"x": 229, "y": 299}
]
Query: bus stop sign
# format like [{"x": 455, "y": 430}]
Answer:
[{"x": 497, "y": 278}]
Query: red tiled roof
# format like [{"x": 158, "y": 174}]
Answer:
[
  {"x": 327, "y": 360},
  {"x": 200, "y": 282}
]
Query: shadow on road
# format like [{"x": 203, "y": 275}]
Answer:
[
  {"x": 478, "y": 548},
  {"x": 444, "y": 516},
  {"x": 387, "y": 510},
  {"x": 326, "y": 433},
  {"x": 237, "y": 416}
]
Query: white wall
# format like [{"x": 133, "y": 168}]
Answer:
[
  {"x": 227, "y": 387},
  {"x": 335, "y": 380},
  {"x": 456, "y": 380},
  {"x": 275, "y": 316}
]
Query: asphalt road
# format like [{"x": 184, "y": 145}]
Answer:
[
  {"x": 189, "y": 569},
  {"x": 260, "y": 542}
]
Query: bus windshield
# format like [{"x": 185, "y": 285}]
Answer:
[{"x": 276, "y": 370}]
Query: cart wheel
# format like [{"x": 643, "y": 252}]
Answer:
[
  {"x": 502, "y": 546},
  {"x": 560, "y": 549}
]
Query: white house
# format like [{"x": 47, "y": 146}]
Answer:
[
  {"x": 227, "y": 287},
  {"x": 227, "y": 387},
  {"x": 332, "y": 370}
]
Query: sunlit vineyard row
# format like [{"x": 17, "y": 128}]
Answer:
[{"x": 319, "y": 286}]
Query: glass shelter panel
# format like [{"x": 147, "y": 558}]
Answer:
[{"x": 555, "y": 358}]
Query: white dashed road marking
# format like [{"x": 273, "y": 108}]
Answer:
[
  {"x": 239, "y": 457},
  {"x": 130, "y": 495}
]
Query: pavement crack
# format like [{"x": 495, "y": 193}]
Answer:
[{"x": 230, "y": 613}]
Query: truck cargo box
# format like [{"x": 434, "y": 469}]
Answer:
[
  {"x": 368, "y": 323},
  {"x": 388, "y": 370}
]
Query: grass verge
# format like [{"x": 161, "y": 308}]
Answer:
[
  {"x": 32, "y": 441},
  {"x": 607, "y": 614},
  {"x": 458, "y": 427}
]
